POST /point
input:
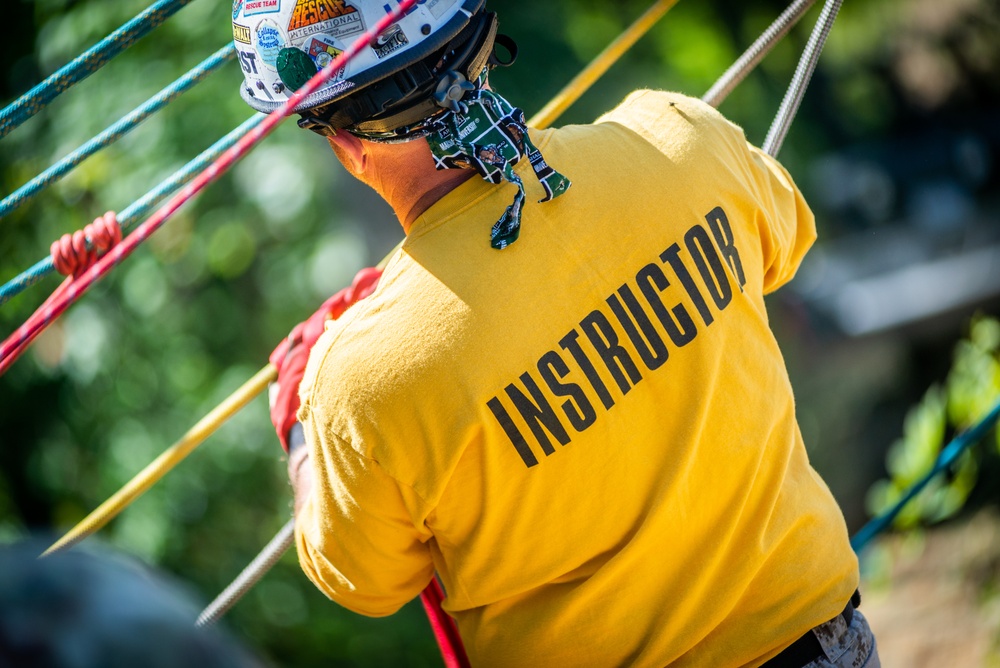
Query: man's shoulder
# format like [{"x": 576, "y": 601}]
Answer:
[
  {"x": 664, "y": 118},
  {"x": 651, "y": 104},
  {"x": 365, "y": 355}
]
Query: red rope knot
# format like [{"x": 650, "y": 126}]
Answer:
[{"x": 70, "y": 254}]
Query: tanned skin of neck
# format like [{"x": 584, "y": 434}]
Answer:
[{"x": 403, "y": 174}]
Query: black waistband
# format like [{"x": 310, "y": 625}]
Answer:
[{"x": 807, "y": 648}]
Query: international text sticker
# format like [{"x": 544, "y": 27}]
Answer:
[{"x": 337, "y": 18}]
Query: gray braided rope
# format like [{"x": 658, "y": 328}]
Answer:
[
  {"x": 250, "y": 576},
  {"x": 803, "y": 73},
  {"x": 745, "y": 64}
]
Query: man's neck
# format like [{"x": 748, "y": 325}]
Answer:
[
  {"x": 410, "y": 203},
  {"x": 403, "y": 174}
]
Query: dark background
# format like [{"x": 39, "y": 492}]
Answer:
[{"x": 896, "y": 148}]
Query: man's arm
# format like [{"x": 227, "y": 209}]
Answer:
[
  {"x": 290, "y": 358},
  {"x": 359, "y": 533},
  {"x": 300, "y": 473}
]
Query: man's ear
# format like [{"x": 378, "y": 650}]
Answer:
[{"x": 349, "y": 149}]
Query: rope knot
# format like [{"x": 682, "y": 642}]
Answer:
[{"x": 75, "y": 253}]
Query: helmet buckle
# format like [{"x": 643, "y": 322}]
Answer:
[
  {"x": 317, "y": 125},
  {"x": 451, "y": 89}
]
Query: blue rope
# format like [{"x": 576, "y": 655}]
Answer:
[
  {"x": 115, "y": 132},
  {"x": 948, "y": 455},
  {"x": 141, "y": 207},
  {"x": 86, "y": 64}
]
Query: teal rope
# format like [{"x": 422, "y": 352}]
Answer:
[
  {"x": 948, "y": 455},
  {"x": 141, "y": 207},
  {"x": 86, "y": 64},
  {"x": 115, "y": 132}
]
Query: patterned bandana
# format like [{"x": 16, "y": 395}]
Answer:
[{"x": 490, "y": 135}]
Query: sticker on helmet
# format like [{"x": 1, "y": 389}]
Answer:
[
  {"x": 437, "y": 8},
  {"x": 336, "y": 18},
  {"x": 393, "y": 39},
  {"x": 255, "y": 7},
  {"x": 295, "y": 67},
  {"x": 323, "y": 54},
  {"x": 237, "y": 8},
  {"x": 270, "y": 40},
  {"x": 248, "y": 61},
  {"x": 241, "y": 33}
]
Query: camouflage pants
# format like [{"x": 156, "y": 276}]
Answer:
[{"x": 846, "y": 646}]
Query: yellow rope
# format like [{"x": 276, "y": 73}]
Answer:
[
  {"x": 163, "y": 464},
  {"x": 172, "y": 456},
  {"x": 597, "y": 67}
]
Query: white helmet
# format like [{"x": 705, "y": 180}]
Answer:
[{"x": 389, "y": 86}]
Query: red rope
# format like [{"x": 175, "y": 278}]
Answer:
[
  {"x": 17, "y": 342},
  {"x": 70, "y": 254},
  {"x": 445, "y": 629},
  {"x": 71, "y": 257}
]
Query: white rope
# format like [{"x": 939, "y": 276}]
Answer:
[
  {"x": 739, "y": 70},
  {"x": 803, "y": 73},
  {"x": 250, "y": 576}
]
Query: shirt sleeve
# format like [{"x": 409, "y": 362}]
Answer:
[
  {"x": 357, "y": 533},
  {"x": 786, "y": 225}
]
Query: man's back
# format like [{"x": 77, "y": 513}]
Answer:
[{"x": 590, "y": 435}]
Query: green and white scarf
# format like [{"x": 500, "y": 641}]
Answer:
[{"x": 490, "y": 135}]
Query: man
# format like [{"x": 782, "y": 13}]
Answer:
[{"x": 562, "y": 396}]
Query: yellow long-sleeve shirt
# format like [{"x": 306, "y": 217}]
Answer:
[{"x": 590, "y": 435}]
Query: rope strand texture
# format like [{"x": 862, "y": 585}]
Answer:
[
  {"x": 73, "y": 253},
  {"x": 803, "y": 73},
  {"x": 249, "y": 576},
  {"x": 746, "y": 63},
  {"x": 43, "y": 317},
  {"x": 86, "y": 64},
  {"x": 118, "y": 130}
]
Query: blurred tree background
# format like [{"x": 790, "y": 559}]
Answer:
[{"x": 896, "y": 147}]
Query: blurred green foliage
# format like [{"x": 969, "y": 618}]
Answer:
[
  {"x": 970, "y": 392},
  {"x": 192, "y": 314}
]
